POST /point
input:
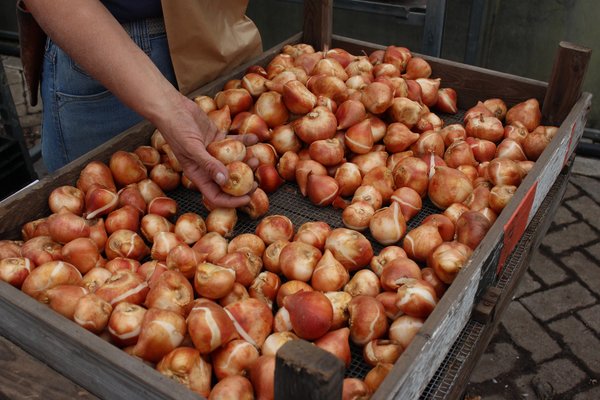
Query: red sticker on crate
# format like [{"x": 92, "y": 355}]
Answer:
[{"x": 516, "y": 225}]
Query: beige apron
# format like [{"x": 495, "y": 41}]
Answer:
[{"x": 208, "y": 38}]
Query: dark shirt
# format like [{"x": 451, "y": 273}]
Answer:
[{"x": 131, "y": 10}]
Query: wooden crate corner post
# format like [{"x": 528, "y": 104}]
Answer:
[
  {"x": 304, "y": 371},
  {"x": 566, "y": 80},
  {"x": 318, "y": 23}
]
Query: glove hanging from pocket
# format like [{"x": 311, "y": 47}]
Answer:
[{"x": 32, "y": 42}]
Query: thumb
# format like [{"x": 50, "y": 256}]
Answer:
[{"x": 214, "y": 168}]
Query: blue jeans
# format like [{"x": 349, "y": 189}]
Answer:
[{"x": 79, "y": 114}]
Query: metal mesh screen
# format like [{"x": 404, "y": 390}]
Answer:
[{"x": 288, "y": 201}]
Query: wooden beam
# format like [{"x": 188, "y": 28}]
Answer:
[
  {"x": 564, "y": 87},
  {"x": 304, "y": 371},
  {"x": 318, "y": 23}
]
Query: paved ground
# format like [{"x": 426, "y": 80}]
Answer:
[{"x": 547, "y": 345}]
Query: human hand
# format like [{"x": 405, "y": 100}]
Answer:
[{"x": 188, "y": 131}]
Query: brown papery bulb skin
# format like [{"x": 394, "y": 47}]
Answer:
[
  {"x": 488, "y": 128},
  {"x": 336, "y": 342},
  {"x": 162, "y": 331},
  {"x": 66, "y": 197},
  {"x": 185, "y": 364},
  {"x": 446, "y": 101},
  {"x": 258, "y": 205},
  {"x": 349, "y": 247},
  {"x": 448, "y": 259},
  {"x": 527, "y": 112},
  {"x": 350, "y": 113},
  {"x": 95, "y": 173},
  {"x": 420, "y": 242},
  {"x": 358, "y": 215},
  {"x": 399, "y": 268},
  {"x": 398, "y": 137},
  {"x": 329, "y": 274},
  {"x": 377, "y": 97},
  {"x": 448, "y": 186},
  {"x": 535, "y": 143},
  {"x": 406, "y": 111},
  {"x": 500, "y": 195},
  {"x": 232, "y": 387},
  {"x": 471, "y": 228},
  {"x": 387, "y": 225},
  {"x": 409, "y": 200},
  {"x": 271, "y": 108},
  {"x": 318, "y": 124},
  {"x": 386, "y": 255},
  {"x": 429, "y": 90},
  {"x": 417, "y": 67},
  {"x": 309, "y": 325},
  {"x": 241, "y": 179},
  {"x": 416, "y": 298},
  {"x": 503, "y": 171},
  {"x": 297, "y": 98},
  {"x": 367, "y": 319},
  {"x": 209, "y": 325},
  {"x": 412, "y": 172},
  {"x": 252, "y": 319},
  {"x": 127, "y": 168}
]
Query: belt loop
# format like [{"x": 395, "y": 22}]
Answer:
[{"x": 138, "y": 31}]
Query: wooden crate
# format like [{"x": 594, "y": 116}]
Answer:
[{"x": 110, "y": 373}]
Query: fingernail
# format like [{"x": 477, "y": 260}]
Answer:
[{"x": 220, "y": 178}]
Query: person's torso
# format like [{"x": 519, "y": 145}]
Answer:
[{"x": 127, "y": 10}]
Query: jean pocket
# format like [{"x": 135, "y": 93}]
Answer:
[
  {"x": 89, "y": 121},
  {"x": 64, "y": 98},
  {"x": 72, "y": 81},
  {"x": 78, "y": 69}
]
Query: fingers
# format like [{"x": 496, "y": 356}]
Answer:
[
  {"x": 219, "y": 136},
  {"x": 217, "y": 198},
  {"x": 253, "y": 163},
  {"x": 248, "y": 138},
  {"x": 213, "y": 167}
]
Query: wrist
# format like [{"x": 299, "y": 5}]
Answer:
[{"x": 163, "y": 110}]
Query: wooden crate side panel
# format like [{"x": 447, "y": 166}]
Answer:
[
  {"x": 472, "y": 83},
  {"x": 536, "y": 185},
  {"x": 561, "y": 148},
  {"x": 481, "y": 270},
  {"x": 81, "y": 356},
  {"x": 451, "y": 382},
  {"x": 32, "y": 202}
]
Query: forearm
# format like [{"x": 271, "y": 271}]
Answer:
[
  {"x": 96, "y": 41},
  {"x": 88, "y": 33}
]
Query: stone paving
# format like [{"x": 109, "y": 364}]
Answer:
[{"x": 547, "y": 345}]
